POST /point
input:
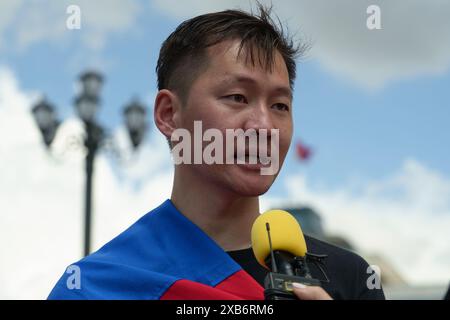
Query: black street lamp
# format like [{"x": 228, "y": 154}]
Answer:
[
  {"x": 87, "y": 104},
  {"x": 92, "y": 83},
  {"x": 86, "y": 107},
  {"x": 44, "y": 115},
  {"x": 136, "y": 121}
]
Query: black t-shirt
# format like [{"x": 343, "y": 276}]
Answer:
[
  {"x": 346, "y": 270},
  {"x": 447, "y": 295}
]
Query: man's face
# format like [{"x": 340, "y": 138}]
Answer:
[{"x": 233, "y": 94}]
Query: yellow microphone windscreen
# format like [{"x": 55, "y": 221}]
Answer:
[{"x": 285, "y": 232}]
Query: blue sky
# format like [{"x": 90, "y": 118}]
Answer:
[
  {"x": 355, "y": 132},
  {"x": 373, "y": 105}
]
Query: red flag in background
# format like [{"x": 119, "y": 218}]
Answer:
[{"x": 303, "y": 152}]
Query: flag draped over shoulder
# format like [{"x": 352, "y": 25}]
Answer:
[{"x": 162, "y": 256}]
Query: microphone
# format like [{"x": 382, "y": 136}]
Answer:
[{"x": 279, "y": 245}]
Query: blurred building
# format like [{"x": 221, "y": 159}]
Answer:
[{"x": 310, "y": 221}]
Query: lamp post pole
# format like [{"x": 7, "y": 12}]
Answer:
[
  {"x": 92, "y": 143},
  {"x": 87, "y": 104}
]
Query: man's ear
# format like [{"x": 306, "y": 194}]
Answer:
[{"x": 167, "y": 112}]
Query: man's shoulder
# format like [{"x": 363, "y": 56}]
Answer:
[
  {"x": 142, "y": 262},
  {"x": 347, "y": 271},
  {"x": 335, "y": 253},
  {"x": 120, "y": 263}
]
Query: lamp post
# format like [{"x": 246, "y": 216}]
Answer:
[
  {"x": 135, "y": 120},
  {"x": 87, "y": 104},
  {"x": 44, "y": 115}
]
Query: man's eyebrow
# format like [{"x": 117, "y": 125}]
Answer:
[
  {"x": 286, "y": 91},
  {"x": 246, "y": 79}
]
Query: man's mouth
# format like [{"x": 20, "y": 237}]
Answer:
[{"x": 251, "y": 160}]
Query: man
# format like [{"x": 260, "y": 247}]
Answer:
[{"x": 229, "y": 70}]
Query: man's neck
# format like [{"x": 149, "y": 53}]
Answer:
[{"x": 226, "y": 218}]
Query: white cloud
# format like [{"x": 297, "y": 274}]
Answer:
[
  {"x": 31, "y": 22},
  {"x": 8, "y": 10},
  {"x": 414, "y": 40},
  {"x": 189, "y": 9},
  {"x": 107, "y": 17}
]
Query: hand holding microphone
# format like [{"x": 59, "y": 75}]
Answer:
[
  {"x": 279, "y": 245},
  {"x": 310, "y": 292}
]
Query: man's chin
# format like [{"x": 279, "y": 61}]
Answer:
[
  {"x": 250, "y": 183},
  {"x": 252, "y": 189},
  {"x": 253, "y": 193}
]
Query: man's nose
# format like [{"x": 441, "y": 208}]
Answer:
[{"x": 259, "y": 117}]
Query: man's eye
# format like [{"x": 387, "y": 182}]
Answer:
[
  {"x": 281, "y": 107},
  {"x": 239, "y": 98}
]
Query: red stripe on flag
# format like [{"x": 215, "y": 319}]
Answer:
[{"x": 239, "y": 286}]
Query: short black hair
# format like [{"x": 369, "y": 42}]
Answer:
[{"x": 183, "y": 54}]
